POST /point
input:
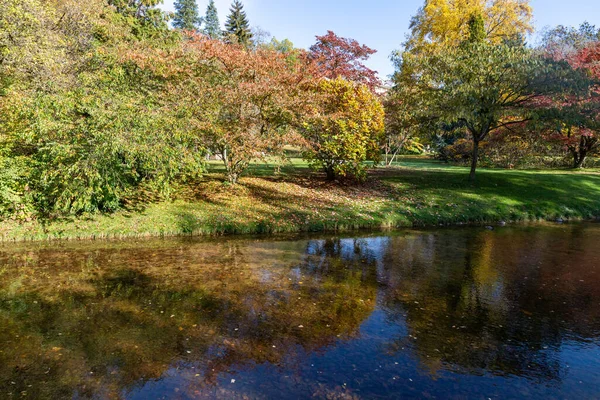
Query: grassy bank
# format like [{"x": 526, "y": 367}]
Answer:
[{"x": 416, "y": 192}]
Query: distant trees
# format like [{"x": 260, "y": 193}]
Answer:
[
  {"x": 212, "y": 26},
  {"x": 187, "y": 16},
  {"x": 562, "y": 42},
  {"x": 573, "y": 120},
  {"x": 237, "y": 26}
]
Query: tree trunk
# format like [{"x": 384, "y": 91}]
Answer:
[
  {"x": 387, "y": 150},
  {"x": 393, "y": 158},
  {"x": 579, "y": 159},
  {"x": 330, "y": 173},
  {"x": 474, "y": 159}
]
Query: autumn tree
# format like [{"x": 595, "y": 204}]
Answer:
[
  {"x": 237, "y": 26},
  {"x": 212, "y": 26},
  {"x": 441, "y": 24},
  {"x": 346, "y": 131},
  {"x": 186, "y": 15},
  {"x": 343, "y": 57},
  {"x": 573, "y": 119},
  {"x": 562, "y": 41},
  {"x": 243, "y": 105}
]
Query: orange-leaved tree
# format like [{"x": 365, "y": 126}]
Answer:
[{"x": 242, "y": 105}]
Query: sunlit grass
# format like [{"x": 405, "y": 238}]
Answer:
[{"x": 417, "y": 191}]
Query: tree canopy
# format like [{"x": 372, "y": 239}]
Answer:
[
  {"x": 480, "y": 86},
  {"x": 343, "y": 57},
  {"x": 445, "y": 23}
]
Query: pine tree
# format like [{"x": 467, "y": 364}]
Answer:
[
  {"x": 237, "y": 24},
  {"x": 476, "y": 28},
  {"x": 186, "y": 15},
  {"x": 212, "y": 26}
]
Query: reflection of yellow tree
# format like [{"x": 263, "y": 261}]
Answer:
[
  {"x": 485, "y": 274},
  {"x": 96, "y": 322}
]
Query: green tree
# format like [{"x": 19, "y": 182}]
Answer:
[
  {"x": 80, "y": 112},
  {"x": 144, "y": 17},
  {"x": 477, "y": 28},
  {"x": 237, "y": 26},
  {"x": 480, "y": 87},
  {"x": 212, "y": 26},
  {"x": 186, "y": 15}
]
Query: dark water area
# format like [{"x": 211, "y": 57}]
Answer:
[{"x": 448, "y": 314}]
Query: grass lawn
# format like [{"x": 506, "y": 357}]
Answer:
[{"x": 416, "y": 192}]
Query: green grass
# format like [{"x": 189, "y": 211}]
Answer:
[{"x": 416, "y": 192}]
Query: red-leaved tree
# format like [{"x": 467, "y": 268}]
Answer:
[
  {"x": 338, "y": 57},
  {"x": 576, "y": 122}
]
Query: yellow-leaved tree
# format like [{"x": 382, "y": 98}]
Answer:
[{"x": 443, "y": 23}]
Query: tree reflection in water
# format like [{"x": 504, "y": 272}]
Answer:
[{"x": 459, "y": 310}]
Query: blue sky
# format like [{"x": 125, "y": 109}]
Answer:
[{"x": 380, "y": 24}]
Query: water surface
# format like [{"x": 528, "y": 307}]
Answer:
[{"x": 449, "y": 314}]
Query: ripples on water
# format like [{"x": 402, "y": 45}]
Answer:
[{"x": 444, "y": 314}]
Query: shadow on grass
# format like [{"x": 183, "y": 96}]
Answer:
[{"x": 426, "y": 193}]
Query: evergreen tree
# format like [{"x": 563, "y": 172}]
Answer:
[
  {"x": 237, "y": 24},
  {"x": 186, "y": 15},
  {"x": 212, "y": 26},
  {"x": 477, "y": 28}
]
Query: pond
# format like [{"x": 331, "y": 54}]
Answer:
[{"x": 441, "y": 314}]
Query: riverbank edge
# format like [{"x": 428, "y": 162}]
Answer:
[{"x": 262, "y": 230}]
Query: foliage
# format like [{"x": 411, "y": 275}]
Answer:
[
  {"x": 237, "y": 27},
  {"x": 243, "y": 105},
  {"x": 347, "y": 130},
  {"x": 562, "y": 41},
  {"x": 98, "y": 131},
  {"x": 482, "y": 87},
  {"x": 186, "y": 15},
  {"x": 33, "y": 49},
  {"x": 287, "y": 48},
  {"x": 441, "y": 24},
  {"x": 342, "y": 57},
  {"x": 401, "y": 126},
  {"x": 573, "y": 120},
  {"x": 212, "y": 26},
  {"x": 144, "y": 18}
]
